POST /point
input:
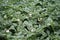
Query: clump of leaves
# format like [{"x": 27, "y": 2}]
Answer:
[{"x": 29, "y": 19}]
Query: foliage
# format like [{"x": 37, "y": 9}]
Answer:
[{"x": 29, "y": 19}]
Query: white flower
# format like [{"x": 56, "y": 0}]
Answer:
[
  {"x": 7, "y": 31},
  {"x": 30, "y": 15},
  {"x": 5, "y": 16},
  {"x": 33, "y": 30},
  {"x": 26, "y": 17},
  {"x": 18, "y": 19}
]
